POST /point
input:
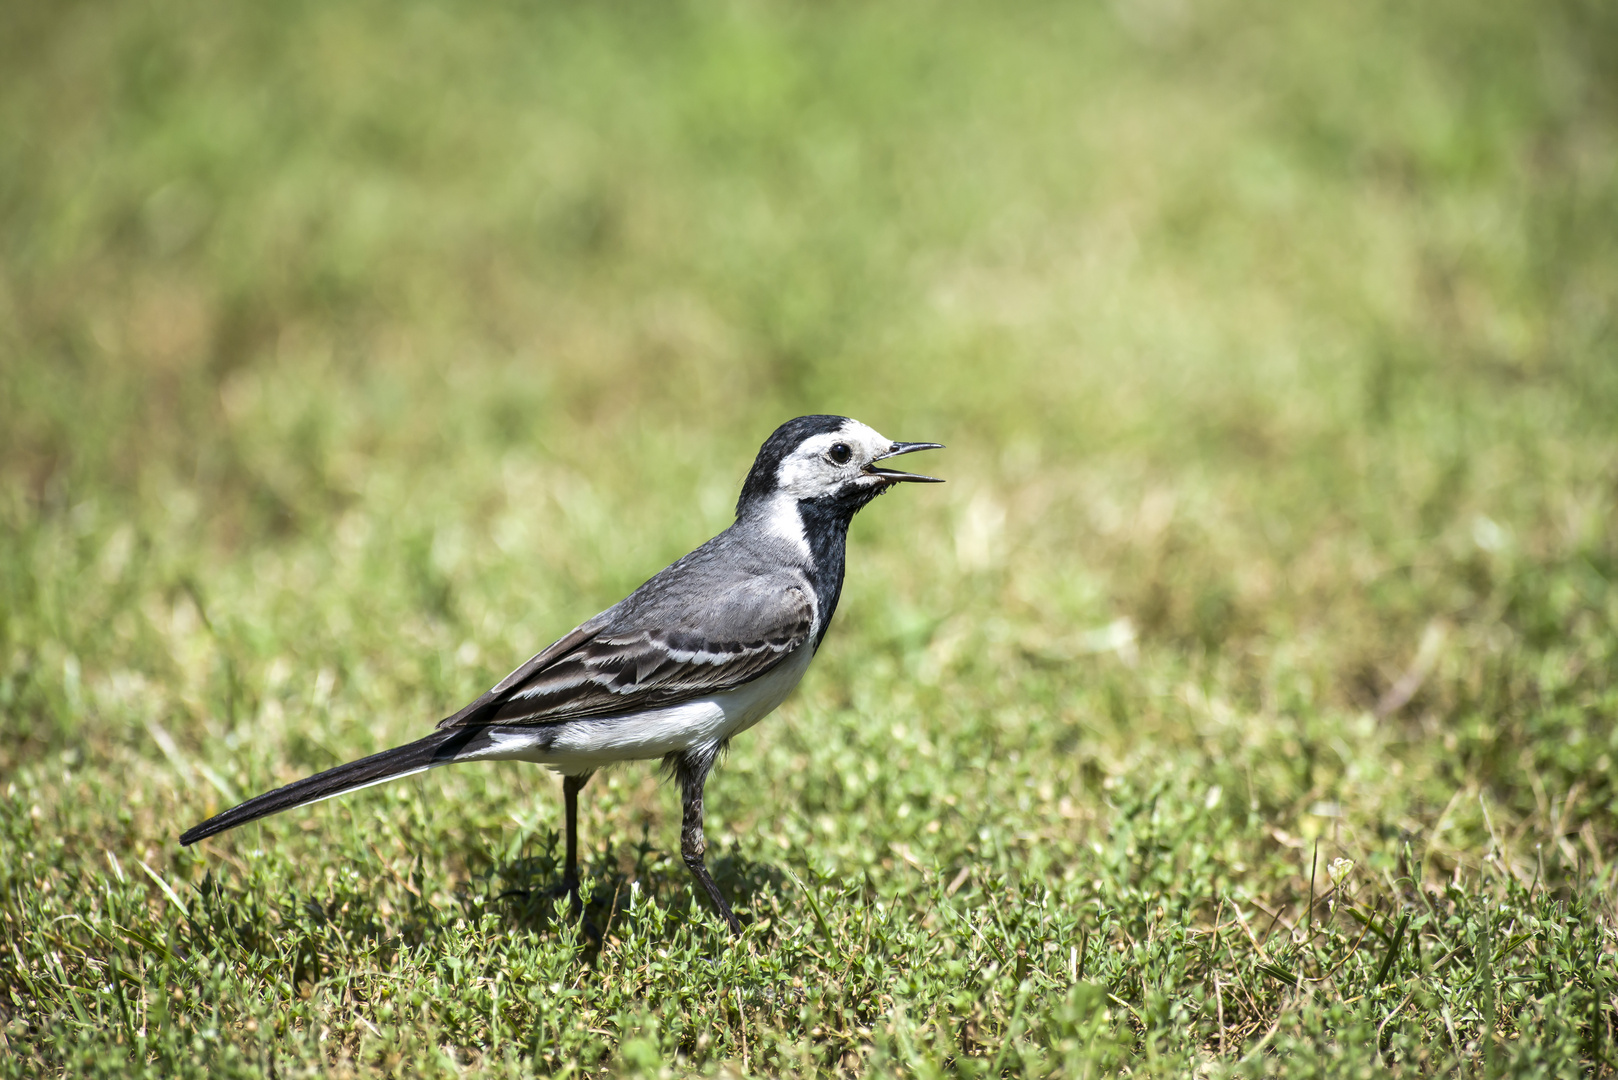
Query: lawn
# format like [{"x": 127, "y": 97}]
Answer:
[{"x": 1245, "y": 704}]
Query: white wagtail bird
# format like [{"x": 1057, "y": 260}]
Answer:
[{"x": 701, "y": 652}]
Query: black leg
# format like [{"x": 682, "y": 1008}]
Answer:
[
  {"x": 692, "y": 770},
  {"x": 570, "y": 869}
]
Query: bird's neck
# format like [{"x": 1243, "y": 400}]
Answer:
[
  {"x": 825, "y": 532},
  {"x": 817, "y": 531}
]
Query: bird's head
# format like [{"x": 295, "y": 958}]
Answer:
[{"x": 826, "y": 459}]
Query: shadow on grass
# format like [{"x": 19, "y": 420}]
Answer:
[
  {"x": 307, "y": 935},
  {"x": 618, "y": 881}
]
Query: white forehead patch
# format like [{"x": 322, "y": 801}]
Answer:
[{"x": 807, "y": 472}]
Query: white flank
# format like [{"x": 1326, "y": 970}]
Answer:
[{"x": 592, "y": 742}]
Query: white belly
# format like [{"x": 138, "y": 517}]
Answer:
[{"x": 588, "y": 743}]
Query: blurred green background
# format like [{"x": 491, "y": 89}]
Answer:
[{"x": 350, "y": 352}]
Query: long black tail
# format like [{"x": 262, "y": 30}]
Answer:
[{"x": 436, "y": 749}]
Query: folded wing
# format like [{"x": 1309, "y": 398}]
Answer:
[{"x": 651, "y": 651}]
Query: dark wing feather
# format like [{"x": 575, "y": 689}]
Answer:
[{"x": 654, "y": 650}]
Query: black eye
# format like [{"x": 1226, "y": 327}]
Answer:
[{"x": 840, "y": 453}]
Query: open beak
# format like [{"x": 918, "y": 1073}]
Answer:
[{"x": 894, "y": 476}]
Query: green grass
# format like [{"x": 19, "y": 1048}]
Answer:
[{"x": 1244, "y": 705}]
